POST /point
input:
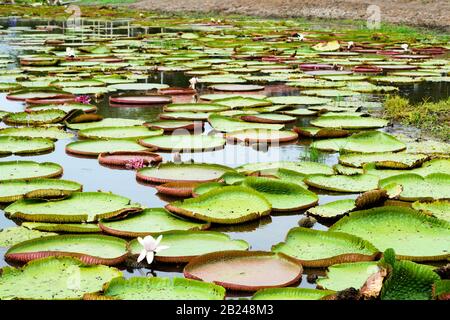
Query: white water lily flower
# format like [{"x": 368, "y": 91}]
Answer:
[
  {"x": 150, "y": 248},
  {"x": 193, "y": 81},
  {"x": 70, "y": 52},
  {"x": 350, "y": 44},
  {"x": 404, "y": 47}
]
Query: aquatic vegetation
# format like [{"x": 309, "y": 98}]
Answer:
[{"x": 262, "y": 125}]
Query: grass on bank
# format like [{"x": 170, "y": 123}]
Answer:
[{"x": 430, "y": 117}]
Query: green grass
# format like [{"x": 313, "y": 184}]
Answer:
[{"x": 430, "y": 117}]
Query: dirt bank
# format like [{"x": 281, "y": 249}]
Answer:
[{"x": 417, "y": 12}]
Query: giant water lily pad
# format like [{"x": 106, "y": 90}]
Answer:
[
  {"x": 36, "y": 118},
  {"x": 320, "y": 133},
  {"x": 291, "y": 294},
  {"x": 440, "y": 209},
  {"x": 89, "y": 248},
  {"x": 193, "y": 172},
  {"x": 237, "y": 87},
  {"x": 54, "y": 278},
  {"x": 134, "y": 132},
  {"x": 149, "y": 222},
  {"x": 341, "y": 183},
  {"x": 227, "y": 124},
  {"x": 195, "y": 107},
  {"x": 22, "y": 145},
  {"x": 282, "y": 195},
  {"x": 262, "y": 135},
  {"x": 268, "y": 118},
  {"x": 186, "y": 115},
  {"x": 407, "y": 280},
  {"x": 66, "y": 107},
  {"x": 303, "y": 167},
  {"x": 413, "y": 235},
  {"x": 13, "y": 235},
  {"x": 415, "y": 187},
  {"x": 11, "y": 191},
  {"x": 106, "y": 122},
  {"x": 95, "y": 147},
  {"x": 365, "y": 142},
  {"x": 333, "y": 209},
  {"x": 243, "y": 102},
  {"x": 185, "y": 143},
  {"x": 348, "y": 275},
  {"x": 36, "y": 132},
  {"x": 186, "y": 245},
  {"x": 427, "y": 168},
  {"x": 349, "y": 122},
  {"x": 21, "y": 170},
  {"x": 63, "y": 227},
  {"x": 298, "y": 100},
  {"x": 137, "y": 86},
  {"x": 384, "y": 160},
  {"x": 79, "y": 207},
  {"x": 227, "y": 205},
  {"x": 241, "y": 270},
  {"x": 315, "y": 248},
  {"x": 144, "y": 288}
]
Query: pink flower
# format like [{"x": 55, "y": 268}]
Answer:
[
  {"x": 84, "y": 99},
  {"x": 135, "y": 163}
]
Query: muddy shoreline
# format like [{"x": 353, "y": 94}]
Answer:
[{"x": 423, "y": 13}]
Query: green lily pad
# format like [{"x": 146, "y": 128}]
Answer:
[
  {"x": 413, "y": 235},
  {"x": 227, "y": 124},
  {"x": 107, "y": 122},
  {"x": 320, "y": 133},
  {"x": 37, "y": 132},
  {"x": 298, "y": 100},
  {"x": 415, "y": 187},
  {"x": 22, "y": 170},
  {"x": 227, "y": 205},
  {"x": 349, "y": 122},
  {"x": 303, "y": 167},
  {"x": 348, "y": 275},
  {"x": 407, "y": 280},
  {"x": 365, "y": 142},
  {"x": 282, "y": 195},
  {"x": 185, "y": 115},
  {"x": 291, "y": 294},
  {"x": 66, "y": 107},
  {"x": 11, "y": 191},
  {"x": 149, "y": 222},
  {"x": 89, "y": 248},
  {"x": 54, "y": 278},
  {"x": 79, "y": 207},
  {"x": 242, "y": 102},
  {"x": 195, "y": 107},
  {"x": 95, "y": 147},
  {"x": 333, "y": 209},
  {"x": 439, "y": 209},
  {"x": 63, "y": 227},
  {"x": 144, "y": 288},
  {"x": 384, "y": 160},
  {"x": 286, "y": 175},
  {"x": 186, "y": 245},
  {"x": 22, "y": 145},
  {"x": 105, "y": 133},
  {"x": 341, "y": 183},
  {"x": 206, "y": 187},
  {"x": 316, "y": 248},
  {"x": 347, "y": 171},
  {"x": 137, "y": 86},
  {"x": 14, "y": 235},
  {"x": 36, "y": 118},
  {"x": 193, "y": 172},
  {"x": 429, "y": 167},
  {"x": 187, "y": 143}
]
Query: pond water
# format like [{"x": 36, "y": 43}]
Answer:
[{"x": 260, "y": 234}]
